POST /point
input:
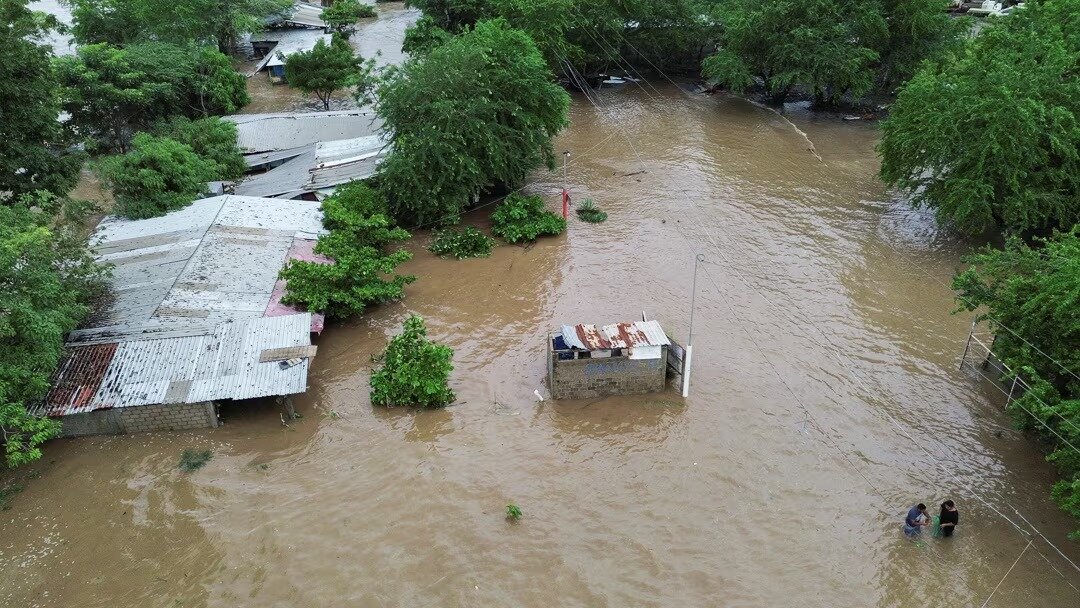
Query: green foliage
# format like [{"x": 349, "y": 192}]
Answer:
[
  {"x": 477, "y": 111},
  {"x": 423, "y": 36},
  {"x": 47, "y": 276},
  {"x": 513, "y": 512},
  {"x": 32, "y": 149},
  {"x": 919, "y": 30},
  {"x": 344, "y": 13},
  {"x": 324, "y": 69},
  {"x": 827, "y": 46},
  {"x": 461, "y": 244},
  {"x": 111, "y": 93},
  {"x": 415, "y": 370},
  {"x": 360, "y": 232},
  {"x": 992, "y": 138},
  {"x": 193, "y": 460},
  {"x": 1035, "y": 293},
  {"x": 213, "y": 140},
  {"x": 158, "y": 175},
  {"x": 587, "y": 211},
  {"x": 524, "y": 219},
  {"x": 220, "y": 22}
]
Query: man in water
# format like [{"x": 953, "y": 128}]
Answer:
[{"x": 916, "y": 520}]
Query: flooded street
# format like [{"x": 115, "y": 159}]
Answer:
[{"x": 825, "y": 402}]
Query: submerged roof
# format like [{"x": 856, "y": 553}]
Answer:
[
  {"x": 257, "y": 133},
  {"x": 223, "y": 364},
  {"x": 616, "y": 335},
  {"x": 324, "y": 165},
  {"x": 184, "y": 273}
]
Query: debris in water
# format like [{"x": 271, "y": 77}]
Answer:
[{"x": 539, "y": 397}]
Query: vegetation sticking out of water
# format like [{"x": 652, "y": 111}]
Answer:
[
  {"x": 587, "y": 211},
  {"x": 193, "y": 460},
  {"x": 467, "y": 242}
]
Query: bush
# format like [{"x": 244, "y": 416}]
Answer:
[
  {"x": 158, "y": 175},
  {"x": 467, "y": 243},
  {"x": 524, "y": 218},
  {"x": 193, "y": 460},
  {"x": 415, "y": 371},
  {"x": 213, "y": 139},
  {"x": 589, "y": 212},
  {"x": 360, "y": 232},
  {"x": 344, "y": 13}
]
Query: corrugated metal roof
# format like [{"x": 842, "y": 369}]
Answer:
[
  {"x": 187, "y": 272},
  {"x": 270, "y": 132},
  {"x": 221, "y": 365},
  {"x": 617, "y": 335},
  {"x": 327, "y": 165}
]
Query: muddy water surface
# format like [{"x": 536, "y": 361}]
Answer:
[{"x": 826, "y": 400}]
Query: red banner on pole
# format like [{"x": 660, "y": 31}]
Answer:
[{"x": 565, "y": 204}]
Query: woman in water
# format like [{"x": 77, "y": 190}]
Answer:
[{"x": 949, "y": 518}]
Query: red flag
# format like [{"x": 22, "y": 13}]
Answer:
[{"x": 565, "y": 204}]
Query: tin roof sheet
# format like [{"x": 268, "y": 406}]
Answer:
[
  {"x": 223, "y": 364},
  {"x": 282, "y": 131},
  {"x": 617, "y": 335},
  {"x": 326, "y": 165}
]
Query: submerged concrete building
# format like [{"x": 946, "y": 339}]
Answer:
[
  {"x": 586, "y": 361},
  {"x": 195, "y": 317}
]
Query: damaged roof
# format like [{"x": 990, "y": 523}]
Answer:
[{"x": 617, "y": 335}]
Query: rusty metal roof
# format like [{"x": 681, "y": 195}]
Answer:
[{"x": 620, "y": 335}]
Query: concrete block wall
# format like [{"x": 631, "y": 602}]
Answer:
[
  {"x": 175, "y": 417},
  {"x": 588, "y": 378}
]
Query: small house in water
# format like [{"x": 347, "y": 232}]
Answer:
[{"x": 620, "y": 359}]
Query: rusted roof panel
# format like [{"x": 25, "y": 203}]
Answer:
[
  {"x": 78, "y": 378},
  {"x": 620, "y": 335}
]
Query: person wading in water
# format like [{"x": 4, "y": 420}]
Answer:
[
  {"x": 916, "y": 520},
  {"x": 949, "y": 518}
]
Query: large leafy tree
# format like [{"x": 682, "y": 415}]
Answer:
[
  {"x": 213, "y": 139},
  {"x": 324, "y": 69},
  {"x": 415, "y": 370},
  {"x": 221, "y": 22},
  {"x": 343, "y": 14},
  {"x": 158, "y": 175},
  {"x": 362, "y": 271},
  {"x": 32, "y": 154},
  {"x": 46, "y": 279},
  {"x": 827, "y": 46},
  {"x": 112, "y": 92},
  {"x": 919, "y": 30},
  {"x": 1031, "y": 298},
  {"x": 991, "y": 139},
  {"x": 478, "y": 111}
]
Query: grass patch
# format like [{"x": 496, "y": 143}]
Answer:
[
  {"x": 587, "y": 211},
  {"x": 461, "y": 244},
  {"x": 193, "y": 460}
]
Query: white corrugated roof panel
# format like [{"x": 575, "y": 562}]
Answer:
[{"x": 281, "y": 131}]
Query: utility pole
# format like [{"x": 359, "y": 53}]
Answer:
[
  {"x": 688, "y": 355},
  {"x": 565, "y": 187}
]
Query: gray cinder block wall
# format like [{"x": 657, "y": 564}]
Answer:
[
  {"x": 176, "y": 417},
  {"x": 587, "y": 378}
]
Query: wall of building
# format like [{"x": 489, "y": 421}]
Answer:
[
  {"x": 141, "y": 418},
  {"x": 587, "y": 378}
]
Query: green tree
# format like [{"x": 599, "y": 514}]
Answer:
[
  {"x": 361, "y": 232},
  {"x": 32, "y": 151},
  {"x": 1034, "y": 292},
  {"x": 423, "y": 36},
  {"x": 477, "y": 111},
  {"x": 158, "y": 175},
  {"x": 522, "y": 219},
  {"x": 827, "y": 46},
  {"x": 111, "y": 93},
  {"x": 991, "y": 139},
  {"x": 343, "y": 14},
  {"x": 46, "y": 279},
  {"x": 918, "y": 30},
  {"x": 415, "y": 371},
  {"x": 220, "y": 22},
  {"x": 324, "y": 69},
  {"x": 213, "y": 140}
]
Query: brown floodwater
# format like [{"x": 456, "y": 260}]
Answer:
[{"x": 825, "y": 401}]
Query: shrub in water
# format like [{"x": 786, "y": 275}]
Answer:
[
  {"x": 193, "y": 460},
  {"x": 513, "y": 512},
  {"x": 524, "y": 218},
  {"x": 415, "y": 370},
  {"x": 587, "y": 211},
  {"x": 467, "y": 243}
]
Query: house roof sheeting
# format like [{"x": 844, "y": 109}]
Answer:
[
  {"x": 326, "y": 166},
  {"x": 221, "y": 365},
  {"x": 282, "y": 131},
  {"x": 616, "y": 335}
]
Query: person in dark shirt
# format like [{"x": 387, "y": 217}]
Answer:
[
  {"x": 949, "y": 518},
  {"x": 916, "y": 520}
]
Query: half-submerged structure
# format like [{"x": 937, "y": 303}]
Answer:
[
  {"x": 195, "y": 318},
  {"x": 587, "y": 361}
]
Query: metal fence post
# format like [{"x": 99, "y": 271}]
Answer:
[{"x": 967, "y": 346}]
